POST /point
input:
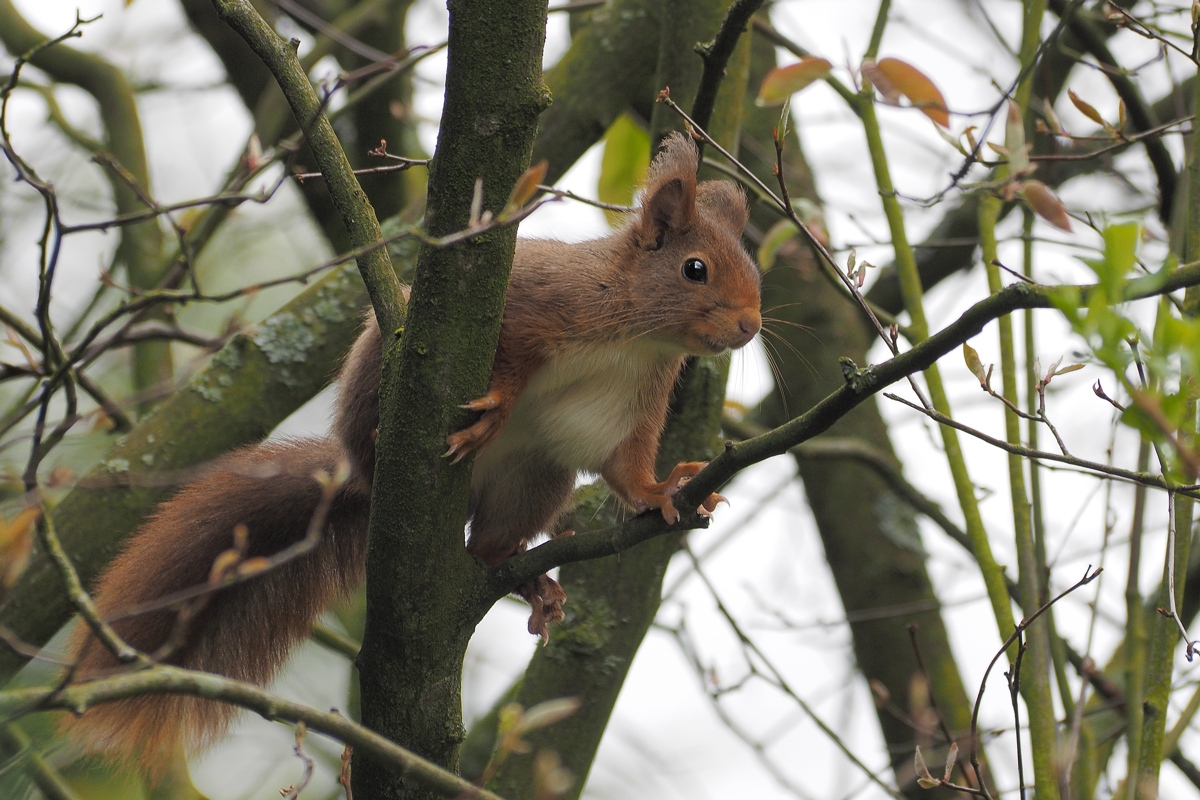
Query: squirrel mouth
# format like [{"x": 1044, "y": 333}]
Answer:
[{"x": 712, "y": 346}]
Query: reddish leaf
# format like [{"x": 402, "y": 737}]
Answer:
[
  {"x": 903, "y": 78},
  {"x": 527, "y": 185},
  {"x": 1046, "y": 204},
  {"x": 783, "y": 82}
]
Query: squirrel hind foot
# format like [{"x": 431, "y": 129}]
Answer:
[
  {"x": 545, "y": 597},
  {"x": 473, "y": 438}
]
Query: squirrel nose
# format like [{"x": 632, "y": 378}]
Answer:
[{"x": 749, "y": 324}]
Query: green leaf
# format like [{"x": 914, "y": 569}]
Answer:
[
  {"x": 974, "y": 364},
  {"x": 624, "y": 166},
  {"x": 1120, "y": 254},
  {"x": 779, "y": 235},
  {"x": 1174, "y": 407},
  {"x": 1140, "y": 421},
  {"x": 1120, "y": 246}
]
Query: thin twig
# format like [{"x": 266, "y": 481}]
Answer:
[
  {"x": 1088, "y": 577},
  {"x": 293, "y": 791},
  {"x": 1014, "y": 693},
  {"x": 1174, "y": 612}
]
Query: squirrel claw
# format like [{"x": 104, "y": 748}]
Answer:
[
  {"x": 475, "y": 437},
  {"x": 707, "y": 508},
  {"x": 455, "y": 450},
  {"x": 486, "y": 403},
  {"x": 669, "y": 513}
]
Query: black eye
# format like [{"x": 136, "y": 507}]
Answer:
[{"x": 695, "y": 270}]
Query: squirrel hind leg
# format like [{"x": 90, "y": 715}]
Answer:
[{"x": 511, "y": 506}]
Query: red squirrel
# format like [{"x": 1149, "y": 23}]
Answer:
[{"x": 592, "y": 340}]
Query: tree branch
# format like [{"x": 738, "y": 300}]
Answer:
[
  {"x": 162, "y": 679},
  {"x": 860, "y": 384}
]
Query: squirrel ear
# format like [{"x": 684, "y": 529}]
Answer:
[
  {"x": 669, "y": 210},
  {"x": 727, "y": 201},
  {"x": 669, "y": 203}
]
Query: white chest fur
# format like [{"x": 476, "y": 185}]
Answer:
[{"x": 580, "y": 405}]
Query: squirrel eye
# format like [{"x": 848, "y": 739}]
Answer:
[{"x": 695, "y": 270}]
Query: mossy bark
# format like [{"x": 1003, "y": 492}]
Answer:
[
  {"x": 249, "y": 387},
  {"x": 613, "y": 601},
  {"x": 422, "y": 587}
]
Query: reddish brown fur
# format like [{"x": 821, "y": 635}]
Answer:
[
  {"x": 576, "y": 314},
  {"x": 247, "y": 630}
]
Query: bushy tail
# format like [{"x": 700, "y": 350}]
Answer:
[{"x": 245, "y": 631}]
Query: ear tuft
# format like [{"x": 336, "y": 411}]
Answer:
[
  {"x": 726, "y": 200},
  {"x": 669, "y": 200}
]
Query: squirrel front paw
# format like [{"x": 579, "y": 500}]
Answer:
[
  {"x": 545, "y": 598},
  {"x": 483, "y": 431}
]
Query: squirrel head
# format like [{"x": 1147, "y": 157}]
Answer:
[{"x": 697, "y": 286}]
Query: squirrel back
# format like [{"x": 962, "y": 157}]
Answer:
[{"x": 591, "y": 343}]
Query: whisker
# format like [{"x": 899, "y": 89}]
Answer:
[
  {"x": 772, "y": 356},
  {"x": 780, "y": 306},
  {"x": 797, "y": 325},
  {"x": 781, "y": 339}
]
